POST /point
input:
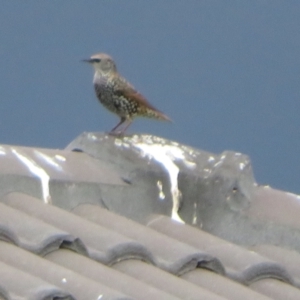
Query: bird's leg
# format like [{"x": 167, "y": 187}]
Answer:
[
  {"x": 129, "y": 121},
  {"x": 126, "y": 123},
  {"x": 113, "y": 131}
]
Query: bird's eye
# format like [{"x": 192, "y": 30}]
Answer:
[{"x": 96, "y": 60}]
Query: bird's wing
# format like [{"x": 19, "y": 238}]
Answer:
[{"x": 128, "y": 91}]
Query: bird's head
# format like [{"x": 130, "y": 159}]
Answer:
[{"x": 102, "y": 63}]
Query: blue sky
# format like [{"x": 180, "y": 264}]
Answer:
[{"x": 226, "y": 72}]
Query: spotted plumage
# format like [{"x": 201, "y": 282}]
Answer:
[{"x": 118, "y": 95}]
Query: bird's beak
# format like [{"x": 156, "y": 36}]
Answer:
[{"x": 87, "y": 60}]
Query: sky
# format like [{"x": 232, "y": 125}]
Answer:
[{"x": 226, "y": 72}]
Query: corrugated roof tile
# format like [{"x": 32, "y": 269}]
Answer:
[
  {"x": 33, "y": 234},
  {"x": 174, "y": 257},
  {"x": 288, "y": 258},
  {"x": 67, "y": 280},
  {"x": 165, "y": 281},
  {"x": 276, "y": 289},
  {"x": 240, "y": 264},
  {"x": 108, "y": 276},
  {"x": 19, "y": 284},
  {"x": 102, "y": 244},
  {"x": 221, "y": 285},
  {"x": 78, "y": 248}
]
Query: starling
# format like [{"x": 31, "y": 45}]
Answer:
[{"x": 118, "y": 95}]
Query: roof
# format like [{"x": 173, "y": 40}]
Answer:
[{"x": 140, "y": 217}]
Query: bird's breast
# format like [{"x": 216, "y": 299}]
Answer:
[{"x": 105, "y": 94}]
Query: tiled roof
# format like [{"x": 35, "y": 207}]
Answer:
[{"x": 64, "y": 236}]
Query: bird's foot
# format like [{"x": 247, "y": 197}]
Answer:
[{"x": 116, "y": 133}]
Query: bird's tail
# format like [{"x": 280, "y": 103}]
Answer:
[
  {"x": 156, "y": 114},
  {"x": 163, "y": 117}
]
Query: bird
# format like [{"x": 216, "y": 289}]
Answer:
[{"x": 117, "y": 95}]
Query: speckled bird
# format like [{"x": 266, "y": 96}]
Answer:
[{"x": 118, "y": 95}]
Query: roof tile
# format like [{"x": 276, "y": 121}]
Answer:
[
  {"x": 102, "y": 244},
  {"x": 289, "y": 258},
  {"x": 221, "y": 285},
  {"x": 57, "y": 164},
  {"x": 19, "y": 284},
  {"x": 175, "y": 257},
  {"x": 165, "y": 281},
  {"x": 240, "y": 264},
  {"x": 108, "y": 276},
  {"x": 276, "y": 289},
  {"x": 37, "y": 236},
  {"x": 78, "y": 245},
  {"x": 67, "y": 280}
]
